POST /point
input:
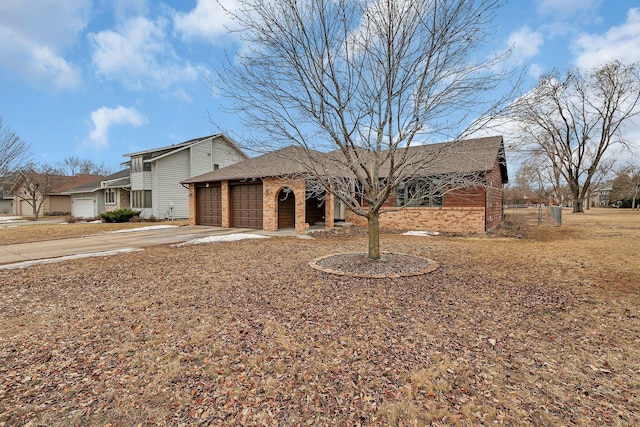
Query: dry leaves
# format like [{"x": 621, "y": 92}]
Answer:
[{"x": 507, "y": 331}]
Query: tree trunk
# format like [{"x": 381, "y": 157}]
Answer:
[
  {"x": 578, "y": 201},
  {"x": 374, "y": 235}
]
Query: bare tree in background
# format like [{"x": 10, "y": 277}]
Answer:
[
  {"x": 626, "y": 185},
  {"x": 34, "y": 184},
  {"x": 14, "y": 151},
  {"x": 73, "y": 165},
  {"x": 577, "y": 122},
  {"x": 364, "y": 80}
]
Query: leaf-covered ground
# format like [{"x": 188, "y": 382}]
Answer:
[{"x": 543, "y": 330}]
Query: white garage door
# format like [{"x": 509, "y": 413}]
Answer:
[
  {"x": 83, "y": 208},
  {"x": 25, "y": 208}
]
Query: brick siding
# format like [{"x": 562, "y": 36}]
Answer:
[{"x": 457, "y": 220}]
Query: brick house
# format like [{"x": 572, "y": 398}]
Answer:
[{"x": 269, "y": 192}]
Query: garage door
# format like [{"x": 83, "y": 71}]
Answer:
[
  {"x": 246, "y": 205},
  {"x": 25, "y": 208},
  {"x": 83, "y": 208},
  {"x": 209, "y": 205}
]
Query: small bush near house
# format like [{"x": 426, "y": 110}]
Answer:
[
  {"x": 121, "y": 215},
  {"x": 152, "y": 218},
  {"x": 71, "y": 219}
]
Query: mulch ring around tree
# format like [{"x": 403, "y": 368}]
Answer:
[{"x": 390, "y": 265}]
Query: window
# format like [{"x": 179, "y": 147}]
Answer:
[
  {"x": 216, "y": 166},
  {"x": 110, "y": 196},
  {"x": 141, "y": 199},
  {"x": 419, "y": 193},
  {"x": 138, "y": 165}
]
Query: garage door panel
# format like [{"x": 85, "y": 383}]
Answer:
[
  {"x": 83, "y": 208},
  {"x": 209, "y": 205},
  {"x": 246, "y": 205}
]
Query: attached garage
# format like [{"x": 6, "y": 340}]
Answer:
[
  {"x": 83, "y": 208},
  {"x": 246, "y": 205},
  {"x": 209, "y": 205}
]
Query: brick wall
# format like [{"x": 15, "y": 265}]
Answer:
[
  {"x": 271, "y": 187},
  {"x": 456, "y": 220},
  {"x": 192, "y": 204}
]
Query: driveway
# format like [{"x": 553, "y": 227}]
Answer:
[{"x": 99, "y": 243}]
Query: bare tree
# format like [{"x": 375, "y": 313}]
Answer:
[
  {"x": 73, "y": 165},
  {"x": 14, "y": 151},
  {"x": 366, "y": 81},
  {"x": 577, "y": 122},
  {"x": 34, "y": 184},
  {"x": 626, "y": 185}
]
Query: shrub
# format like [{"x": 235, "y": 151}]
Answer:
[
  {"x": 121, "y": 215},
  {"x": 71, "y": 219},
  {"x": 152, "y": 218}
]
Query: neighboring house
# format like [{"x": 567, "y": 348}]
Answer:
[
  {"x": 6, "y": 203},
  {"x": 56, "y": 201},
  {"x": 599, "y": 198},
  {"x": 156, "y": 174},
  {"x": 103, "y": 195},
  {"x": 6, "y": 200},
  {"x": 264, "y": 193}
]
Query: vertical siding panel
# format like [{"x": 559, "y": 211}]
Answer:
[
  {"x": 202, "y": 158},
  {"x": 170, "y": 171}
]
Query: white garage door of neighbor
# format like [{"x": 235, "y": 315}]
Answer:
[{"x": 83, "y": 208}]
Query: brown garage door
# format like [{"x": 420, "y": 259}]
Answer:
[
  {"x": 246, "y": 205},
  {"x": 209, "y": 205}
]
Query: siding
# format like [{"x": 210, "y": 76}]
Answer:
[
  {"x": 452, "y": 220},
  {"x": 494, "y": 198},
  {"x": 223, "y": 155},
  {"x": 202, "y": 158},
  {"x": 465, "y": 198},
  {"x": 141, "y": 181},
  {"x": 170, "y": 171}
]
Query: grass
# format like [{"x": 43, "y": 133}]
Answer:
[{"x": 541, "y": 330}]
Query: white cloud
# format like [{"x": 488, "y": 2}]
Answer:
[
  {"x": 208, "y": 20},
  {"x": 560, "y": 9},
  {"x": 104, "y": 118},
  {"x": 33, "y": 35},
  {"x": 536, "y": 70},
  {"x": 139, "y": 55},
  {"x": 621, "y": 42},
  {"x": 526, "y": 44}
]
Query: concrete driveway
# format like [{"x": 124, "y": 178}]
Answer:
[{"x": 120, "y": 241}]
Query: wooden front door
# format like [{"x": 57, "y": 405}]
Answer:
[{"x": 286, "y": 209}]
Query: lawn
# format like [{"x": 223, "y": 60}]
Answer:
[{"x": 539, "y": 330}]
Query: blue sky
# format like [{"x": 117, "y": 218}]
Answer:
[{"x": 100, "y": 78}]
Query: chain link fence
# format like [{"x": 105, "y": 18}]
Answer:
[{"x": 536, "y": 214}]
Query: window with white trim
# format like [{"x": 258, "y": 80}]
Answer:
[{"x": 110, "y": 196}]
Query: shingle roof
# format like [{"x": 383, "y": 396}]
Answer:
[
  {"x": 467, "y": 156},
  {"x": 118, "y": 179}
]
